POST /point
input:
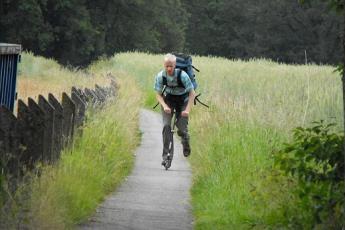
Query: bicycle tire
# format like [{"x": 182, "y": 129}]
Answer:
[{"x": 168, "y": 140}]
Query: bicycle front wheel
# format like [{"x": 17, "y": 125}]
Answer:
[{"x": 168, "y": 142}]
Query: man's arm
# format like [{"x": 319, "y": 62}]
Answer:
[
  {"x": 191, "y": 96},
  {"x": 163, "y": 104},
  {"x": 158, "y": 88}
]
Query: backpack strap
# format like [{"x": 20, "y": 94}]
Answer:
[
  {"x": 165, "y": 85},
  {"x": 165, "y": 81},
  {"x": 179, "y": 81},
  {"x": 196, "y": 99}
]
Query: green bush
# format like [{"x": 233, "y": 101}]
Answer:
[{"x": 314, "y": 159}]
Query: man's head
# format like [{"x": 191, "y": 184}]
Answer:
[{"x": 169, "y": 63}]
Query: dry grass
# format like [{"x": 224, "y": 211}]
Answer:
[{"x": 40, "y": 76}]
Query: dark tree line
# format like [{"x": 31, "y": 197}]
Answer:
[
  {"x": 282, "y": 30},
  {"x": 78, "y": 31}
]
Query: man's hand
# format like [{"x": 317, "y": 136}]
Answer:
[
  {"x": 191, "y": 96},
  {"x": 167, "y": 110},
  {"x": 164, "y": 105},
  {"x": 184, "y": 113}
]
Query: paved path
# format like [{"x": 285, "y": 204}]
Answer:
[{"x": 151, "y": 197}]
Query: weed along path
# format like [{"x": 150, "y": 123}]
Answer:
[{"x": 151, "y": 197}]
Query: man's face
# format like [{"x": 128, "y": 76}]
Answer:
[{"x": 169, "y": 67}]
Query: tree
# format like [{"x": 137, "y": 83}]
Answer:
[
  {"x": 22, "y": 22},
  {"x": 339, "y": 6},
  {"x": 276, "y": 29},
  {"x": 171, "y": 24},
  {"x": 78, "y": 31},
  {"x": 155, "y": 26},
  {"x": 285, "y": 30},
  {"x": 74, "y": 36}
]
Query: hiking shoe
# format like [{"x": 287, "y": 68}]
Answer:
[
  {"x": 186, "y": 148},
  {"x": 164, "y": 163}
]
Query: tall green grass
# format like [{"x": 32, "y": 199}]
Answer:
[
  {"x": 96, "y": 164},
  {"x": 67, "y": 193},
  {"x": 254, "y": 105},
  {"x": 141, "y": 67},
  {"x": 257, "y": 103}
]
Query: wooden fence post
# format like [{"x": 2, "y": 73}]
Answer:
[
  {"x": 9, "y": 142},
  {"x": 80, "y": 109},
  {"x": 41, "y": 130},
  {"x": 100, "y": 94},
  {"x": 91, "y": 97},
  {"x": 58, "y": 127},
  {"x": 30, "y": 125},
  {"x": 80, "y": 93},
  {"x": 37, "y": 126},
  {"x": 113, "y": 86},
  {"x": 48, "y": 143},
  {"x": 23, "y": 127},
  {"x": 68, "y": 118}
]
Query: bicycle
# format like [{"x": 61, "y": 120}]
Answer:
[{"x": 168, "y": 140}]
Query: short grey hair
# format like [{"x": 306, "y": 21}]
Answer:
[{"x": 170, "y": 58}]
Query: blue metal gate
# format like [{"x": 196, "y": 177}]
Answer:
[{"x": 9, "y": 58}]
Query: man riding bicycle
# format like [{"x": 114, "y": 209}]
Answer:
[{"x": 174, "y": 92}]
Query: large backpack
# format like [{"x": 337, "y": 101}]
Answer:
[{"x": 184, "y": 62}]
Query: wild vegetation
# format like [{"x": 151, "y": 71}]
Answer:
[
  {"x": 75, "y": 32},
  {"x": 315, "y": 162},
  {"x": 244, "y": 174},
  {"x": 62, "y": 195},
  {"x": 240, "y": 177},
  {"x": 38, "y": 75},
  {"x": 255, "y": 105}
]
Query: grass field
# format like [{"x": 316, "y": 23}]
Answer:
[
  {"x": 95, "y": 165},
  {"x": 38, "y": 75},
  {"x": 68, "y": 192},
  {"x": 254, "y": 105}
]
